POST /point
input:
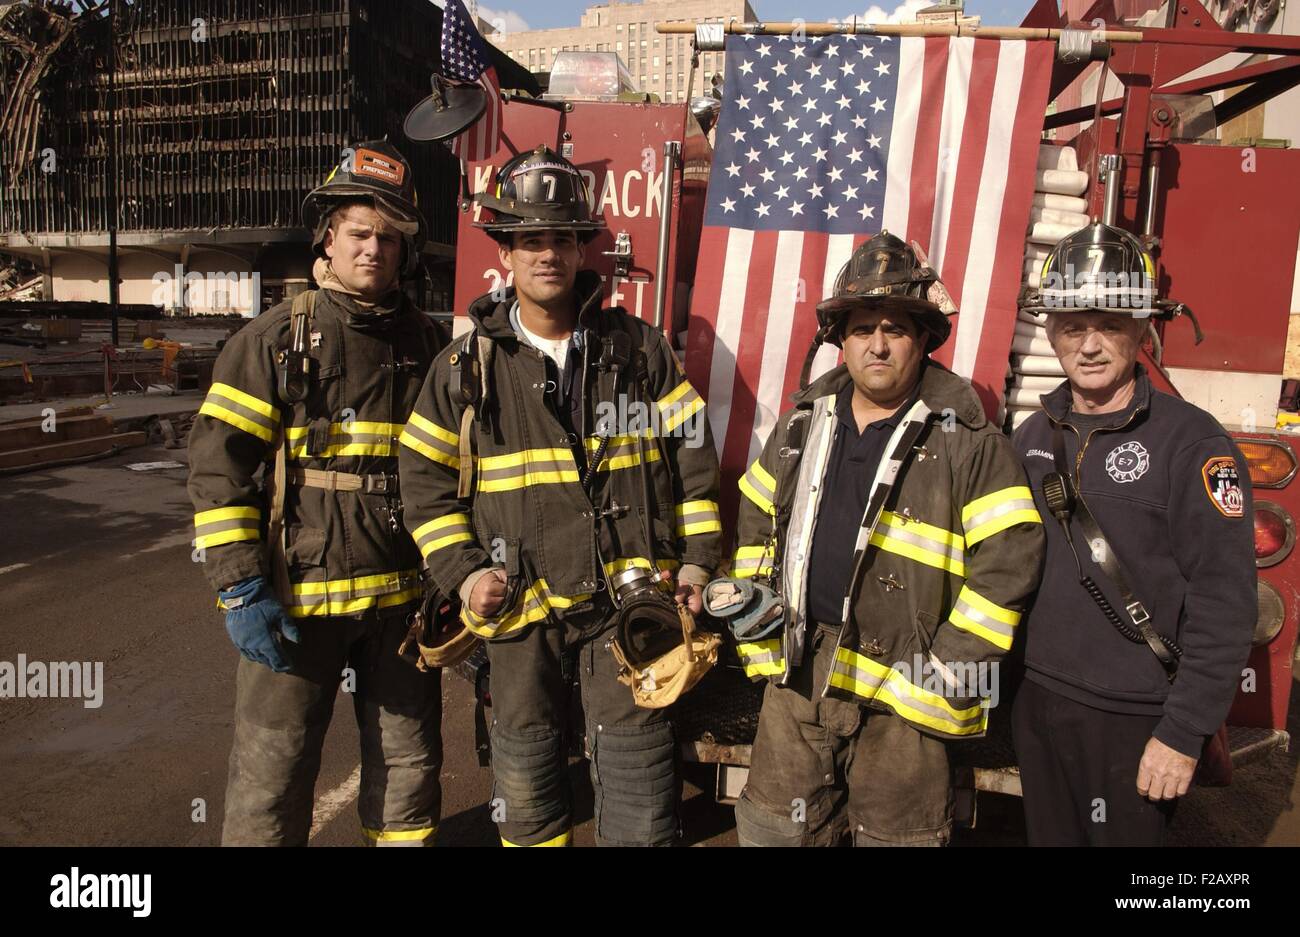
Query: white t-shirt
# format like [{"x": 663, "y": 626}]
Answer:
[{"x": 557, "y": 349}]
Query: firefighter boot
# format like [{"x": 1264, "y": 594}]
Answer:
[{"x": 399, "y": 713}]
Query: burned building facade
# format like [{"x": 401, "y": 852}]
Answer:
[{"x": 220, "y": 115}]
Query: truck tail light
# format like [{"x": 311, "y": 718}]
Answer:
[
  {"x": 1272, "y": 612},
  {"x": 1274, "y": 534},
  {"x": 1271, "y": 463}
]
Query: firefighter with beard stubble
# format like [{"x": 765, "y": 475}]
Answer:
[
  {"x": 549, "y": 522},
  {"x": 894, "y": 520},
  {"x": 312, "y": 565}
]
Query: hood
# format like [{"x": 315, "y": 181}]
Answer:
[
  {"x": 1058, "y": 402},
  {"x": 940, "y": 389},
  {"x": 491, "y": 316}
]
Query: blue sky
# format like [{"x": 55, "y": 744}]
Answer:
[{"x": 531, "y": 14}]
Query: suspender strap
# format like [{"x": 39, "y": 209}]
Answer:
[{"x": 1108, "y": 561}]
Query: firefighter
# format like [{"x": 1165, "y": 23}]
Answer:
[
  {"x": 557, "y": 453},
  {"x": 312, "y": 565},
  {"x": 894, "y": 520},
  {"x": 1137, "y": 639}
]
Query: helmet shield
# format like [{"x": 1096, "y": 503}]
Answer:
[
  {"x": 536, "y": 191},
  {"x": 1099, "y": 268}
]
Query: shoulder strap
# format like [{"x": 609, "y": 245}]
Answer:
[{"x": 1108, "y": 562}]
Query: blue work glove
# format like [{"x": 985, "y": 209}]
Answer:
[{"x": 257, "y": 623}]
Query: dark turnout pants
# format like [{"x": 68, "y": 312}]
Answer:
[
  {"x": 826, "y": 772},
  {"x": 633, "y": 771},
  {"x": 280, "y": 725},
  {"x": 1078, "y": 772}
]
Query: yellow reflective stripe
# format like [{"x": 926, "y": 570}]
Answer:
[
  {"x": 348, "y": 428},
  {"x": 226, "y": 514},
  {"x": 348, "y": 596},
  {"x": 870, "y": 680},
  {"x": 426, "y": 450},
  {"x": 234, "y": 535},
  {"x": 923, "y": 543},
  {"x": 564, "y": 839},
  {"x": 535, "y": 605},
  {"x": 354, "y": 431},
  {"x": 677, "y": 393},
  {"x": 976, "y": 614},
  {"x": 752, "y": 561},
  {"x": 994, "y": 513},
  {"x": 637, "y": 562},
  {"x": 455, "y": 528},
  {"x": 219, "y": 412},
  {"x": 683, "y": 412},
  {"x": 698, "y": 517},
  {"x": 760, "y": 487},
  {"x": 227, "y": 525},
  {"x": 433, "y": 429},
  {"x": 761, "y": 658},
  {"x": 399, "y": 836},
  {"x": 256, "y": 404},
  {"x": 528, "y": 467},
  {"x": 622, "y": 452},
  {"x": 440, "y": 445}
]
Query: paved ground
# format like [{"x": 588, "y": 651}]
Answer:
[{"x": 95, "y": 565}]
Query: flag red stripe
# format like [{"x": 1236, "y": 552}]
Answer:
[
  {"x": 925, "y": 155},
  {"x": 705, "y": 300},
  {"x": 990, "y": 369},
  {"x": 970, "y": 167},
  {"x": 749, "y": 357}
]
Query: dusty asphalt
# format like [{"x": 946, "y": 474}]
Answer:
[{"x": 95, "y": 566}]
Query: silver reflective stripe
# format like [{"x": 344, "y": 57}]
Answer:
[
  {"x": 894, "y": 532},
  {"x": 901, "y": 689},
  {"x": 1006, "y": 507},
  {"x": 234, "y": 523},
  {"x": 442, "y": 532},
  {"x": 975, "y": 615},
  {"x": 530, "y": 467},
  {"x": 220, "y": 400},
  {"x": 759, "y": 484},
  {"x": 432, "y": 441}
]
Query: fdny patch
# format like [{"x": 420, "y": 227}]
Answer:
[
  {"x": 1223, "y": 485},
  {"x": 1128, "y": 462}
]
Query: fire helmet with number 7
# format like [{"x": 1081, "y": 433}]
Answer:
[{"x": 538, "y": 191}]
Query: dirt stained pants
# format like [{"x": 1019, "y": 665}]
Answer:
[
  {"x": 825, "y": 772},
  {"x": 280, "y": 725}
]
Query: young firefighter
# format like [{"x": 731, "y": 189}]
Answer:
[
  {"x": 897, "y": 523},
  {"x": 312, "y": 565},
  {"x": 531, "y": 503}
]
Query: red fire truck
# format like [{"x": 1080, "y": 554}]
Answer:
[{"x": 1223, "y": 222}]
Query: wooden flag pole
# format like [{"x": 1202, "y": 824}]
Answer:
[{"x": 735, "y": 27}]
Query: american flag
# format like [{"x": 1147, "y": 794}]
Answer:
[
  {"x": 465, "y": 57},
  {"x": 824, "y": 142}
]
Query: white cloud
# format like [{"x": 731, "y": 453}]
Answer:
[
  {"x": 905, "y": 12},
  {"x": 504, "y": 20}
]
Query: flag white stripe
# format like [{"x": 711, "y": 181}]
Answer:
[
  {"x": 786, "y": 274},
  {"x": 902, "y": 138},
  {"x": 839, "y": 248},
  {"x": 727, "y": 330},
  {"x": 956, "y": 98},
  {"x": 988, "y": 208}
]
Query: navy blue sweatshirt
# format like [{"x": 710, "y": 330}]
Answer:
[{"x": 1171, "y": 493}]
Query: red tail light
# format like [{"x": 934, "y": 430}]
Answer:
[{"x": 1274, "y": 534}]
